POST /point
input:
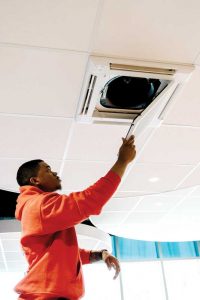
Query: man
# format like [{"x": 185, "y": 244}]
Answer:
[{"x": 48, "y": 235}]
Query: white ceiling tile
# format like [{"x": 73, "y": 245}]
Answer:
[
  {"x": 2, "y": 267},
  {"x": 121, "y": 204},
  {"x": 184, "y": 110},
  {"x": 17, "y": 266},
  {"x": 128, "y": 194},
  {"x": 179, "y": 192},
  {"x": 13, "y": 256},
  {"x": 10, "y": 235},
  {"x": 197, "y": 61},
  {"x": 156, "y": 203},
  {"x": 36, "y": 137},
  {"x": 96, "y": 142},
  {"x": 1, "y": 256},
  {"x": 190, "y": 204},
  {"x": 192, "y": 179},
  {"x": 11, "y": 245},
  {"x": 109, "y": 218},
  {"x": 40, "y": 82},
  {"x": 8, "y": 225},
  {"x": 144, "y": 31},
  {"x": 48, "y": 23},
  {"x": 173, "y": 145},
  {"x": 140, "y": 176},
  {"x": 183, "y": 217},
  {"x": 196, "y": 192},
  {"x": 143, "y": 217},
  {"x": 78, "y": 175},
  {"x": 9, "y": 169}
]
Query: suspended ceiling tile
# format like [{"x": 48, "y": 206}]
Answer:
[
  {"x": 133, "y": 194},
  {"x": 196, "y": 192},
  {"x": 110, "y": 218},
  {"x": 48, "y": 23},
  {"x": 181, "y": 217},
  {"x": 96, "y": 141},
  {"x": 9, "y": 226},
  {"x": 78, "y": 175},
  {"x": 9, "y": 169},
  {"x": 179, "y": 192},
  {"x": 197, "y": 61},
  {"x": 190, "y": 204},
  {"x": 39, "y": 82},
  {"x": 11, "y": 245},
  {"x": 192, "y": 179},
  {"x": 10, "y": 235},
  {"x": 37, "y": 137},
  {"x": 143, "y": 217},
  {"x": 2, "y": 267},
  {"x": 1, "y": 256},
  {"x": 128, "y": 194},
  {"x": 141, "y": 30},
  {"x": 172, "y": 145},
  {"x": 156, "y": 203},
  {"x": 184, "y": 110},
  {"x": 121, "y": 204},
  {"x": 14, "y": 255},
  {"x": 17, "y": 266},
  {"x": 154, "y": 178}
]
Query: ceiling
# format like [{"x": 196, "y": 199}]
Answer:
[{"x": 44, "y": 50}]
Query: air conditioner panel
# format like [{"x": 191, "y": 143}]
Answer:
[{"x": 91, "y": 110}]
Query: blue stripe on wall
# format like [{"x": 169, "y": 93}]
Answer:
[{"x": 140, "y": 250}]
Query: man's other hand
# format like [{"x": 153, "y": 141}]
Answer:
[{"x": 111, "y": 262}]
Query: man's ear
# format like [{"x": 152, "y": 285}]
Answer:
[{"x": 34, "y": 181}]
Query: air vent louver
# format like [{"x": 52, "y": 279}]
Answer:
[{"x": 88, "y": 95}]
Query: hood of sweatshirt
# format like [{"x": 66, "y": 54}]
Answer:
[{"x": 26, "y": 193}]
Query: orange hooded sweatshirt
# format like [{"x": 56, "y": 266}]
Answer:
[{"x": 49, "y": 239}]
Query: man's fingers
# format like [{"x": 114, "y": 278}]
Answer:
[
  {"x": 117, "y": 270},
  {"x": 108, "y": 263},
  {"x": 128, "y": 141},
  {"x": 115, "y": 265}
]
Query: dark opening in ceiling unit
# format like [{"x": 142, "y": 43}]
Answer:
[{"x": 132, "y": 93}]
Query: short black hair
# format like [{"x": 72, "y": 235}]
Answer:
[{"x": 27, "y": 170}]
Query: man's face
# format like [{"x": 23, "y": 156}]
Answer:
[{"x": 46, "y": 179}]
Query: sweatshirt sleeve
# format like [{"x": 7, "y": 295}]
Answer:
[
  {"x": 85, "y": 256},
  {"x": 59, "y": 212}
]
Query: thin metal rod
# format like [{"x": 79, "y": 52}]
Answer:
[
  {"x": 120, "y": 274},
  {"x": 163, "y": 271}
]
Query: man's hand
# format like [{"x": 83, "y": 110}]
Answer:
[
  {"x": 111, "y": 262},
  {"x": 127, "y": 150},
  {"x": 126, "y": 154}
]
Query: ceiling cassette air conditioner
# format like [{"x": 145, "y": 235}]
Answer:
[{"x": 119, "y": 91}]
